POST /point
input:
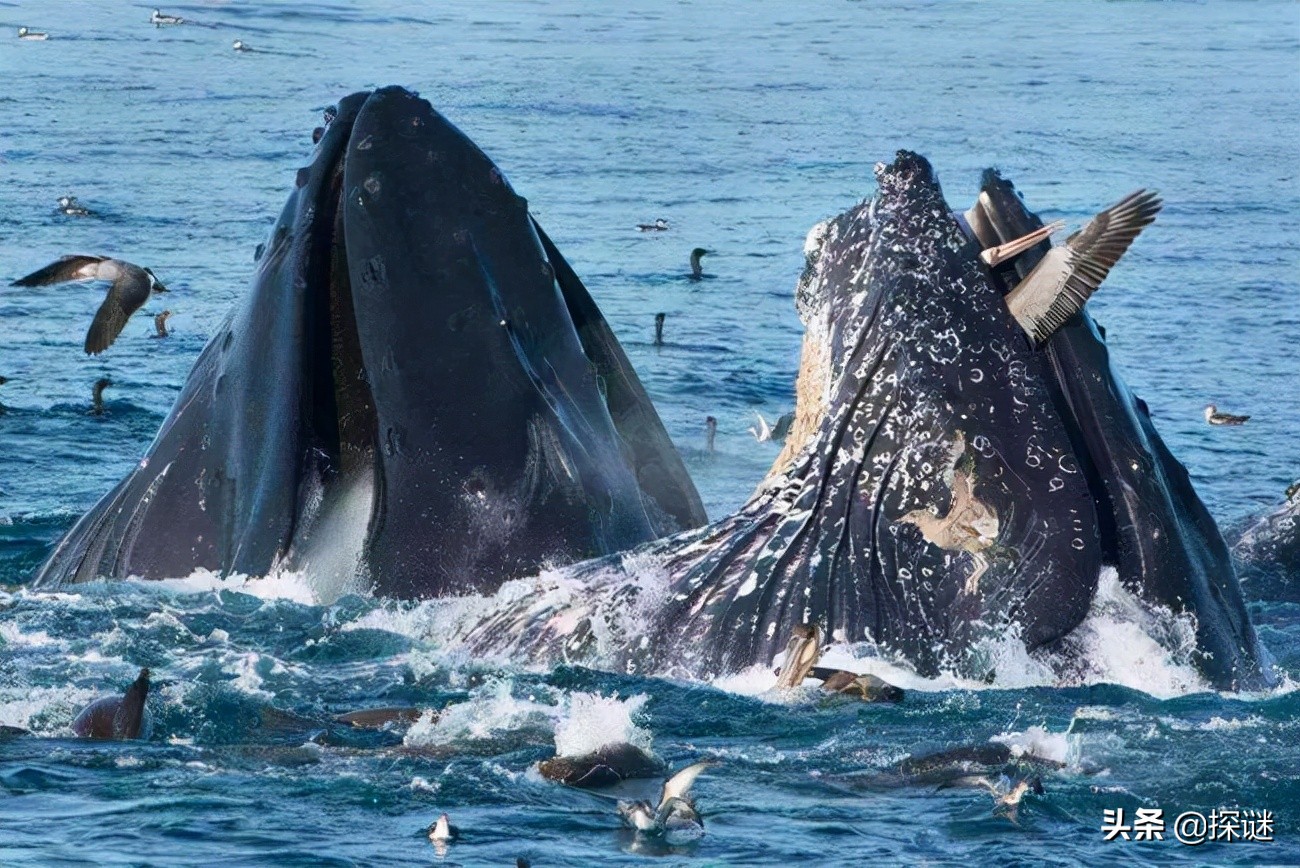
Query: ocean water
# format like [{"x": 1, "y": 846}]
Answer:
[{"x": 742, "y": 124}]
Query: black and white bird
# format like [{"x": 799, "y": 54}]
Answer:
[
  {"x": 1214, "y": 417},
  {"x": 240, "y": 45},
  {"x": 660, "y": 225},
  {"x": 157, "y": 19},
  {"x": 131, "y": 288},
  {"x": 1068, "y": 275},
  {"x": 442, "y": 833},
  {"x": 674, "y": 818},
  {"x": 68, "y": 205},
  {"x": 32, "y": 35}
]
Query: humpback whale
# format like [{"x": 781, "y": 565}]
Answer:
[
  {"x": 1269, "y": 551},
  {"x": 920, "y": 394},
  {"x": 417, "y": 395}
]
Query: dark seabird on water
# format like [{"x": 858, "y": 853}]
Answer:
[
  {"x": 97, "y": 398},
  {"x": 32, "y": 35},
  {"x": 660, "y": 225},
  {"x": 132, "y": 286},
  {"x": 240, "y": 45},
  {"x": 69, "y": 206},
  {"x": 160, "y": 325},
  {"x": 697, "y": 272},
  {"x": 710, "y": 432},
  {"x": 659, "y": 329},
  {"x": 1214, "y": 417},
  {"x": 1068, "y": 275},
  {"x": 158, "y": 19}
]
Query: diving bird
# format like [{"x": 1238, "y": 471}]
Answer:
[
  {"x": 71, "y": 207},
  {"x": 660, "y": 225},
  {"x": 240, "y": 45},
  {"x": 1214, "y": 417},
  {"x": 157, "y": 19},
  {"x": 697, "y": 272},
  {"x": 659, "y": 329},
  {"x": 710, "y": 432},
  {"x": 132, "y": 286},
  {"x": 160, "y": 325},
  {"x": 117, "y": 717},
  {"x": 32, "y": 35},
  {"x": 1068, "y": 275},
  {"x": 777, "y": 432},
  {"x": 97, "y": 398},
  {"x": 675, "y": 816}
]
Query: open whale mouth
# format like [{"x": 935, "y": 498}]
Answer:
[{"x": 418, "y": 395}]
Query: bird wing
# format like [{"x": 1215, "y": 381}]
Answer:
[
  {"x": 125, "y": 297},
  {"x": 1061, "y": 284},
  {"x": 679, "y": 784},
  {"x": 61, "y": 270}
]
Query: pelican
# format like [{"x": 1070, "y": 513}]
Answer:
[
  {"x": 1068, "y": 275},
  {"x": 1214, "y": 417},
  {"x": 132, "y": 286}
]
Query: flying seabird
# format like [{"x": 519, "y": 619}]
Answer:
[
  {"x": 1214, "y": 417},
  {"x": 1068, "y": 275},
  {"x": 132, "y": 286}
]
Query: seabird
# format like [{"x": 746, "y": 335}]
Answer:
[
  {"x": 659, "y": 329},
  {"x": 710, "y": 431},
  {"x": 97, "y": 399},
  {"x": 157, "y": 19},
  {"x": 970, "y": 525},
  {"x": 443, "y": 833},
  {"x": 1214, "y": 417},
  {"x": 764, "y": 432},
  {"x": 1068, "y": 275},
  {"x": 132, "y": 286},
  {"x": 660, "y": 225},
  {"x": 160, "y": 325},
  {"x": 696, "y": 271},
  {"x": 801, "y": 657},
  {"x": 1006, "y": 793},
  {"x": 240, "y": 46},
  {"x": 32, "y": 35},
  {"x": 70, "y": 206},
  {"x": 675, "y": 816}
]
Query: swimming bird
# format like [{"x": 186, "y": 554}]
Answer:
[
  {"x": 659, "y": 329},
  {"x": 117, "y": 717},
  {"x": 674, "y": 818},
  {"x": 71, "y": 207},
  {"x": 697, "y": 272},
  {"x": 443, "y": 830},
  {"x": 777, "y": 432},
  {"x": 1007, "y": 794},
  {"x": 97, "y": 399},
  {"x": 801, "y": 655},
  {"x": 660, "y": 225},
  {"x": 132, "y": 286},
  {"x": 160, "y": 325},
  {"x": 157, "y": 19},
  {"x": 1068, "y": 275},
  {"x": 1214, "y": 417},
  {"x": 32, "y": 35},
  {"x": 970, "y": 525},
  {"x": 241, "y": 46},
  {"x": 710, "y": 432}
]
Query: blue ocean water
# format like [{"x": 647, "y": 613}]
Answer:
[{"x": 742, "y": 124}]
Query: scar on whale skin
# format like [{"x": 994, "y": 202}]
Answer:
[{"x": 970, "y": 525}]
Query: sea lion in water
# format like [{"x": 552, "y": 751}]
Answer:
[
  {"x": 117, "y": 717},
  {"x": 601, "y": 768}
]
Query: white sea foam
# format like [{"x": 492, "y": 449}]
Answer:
[
  {"x": 1040, "y": 742},
  {"x": 589, "y": 721},
  {"x": 490, "y": 712}
]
